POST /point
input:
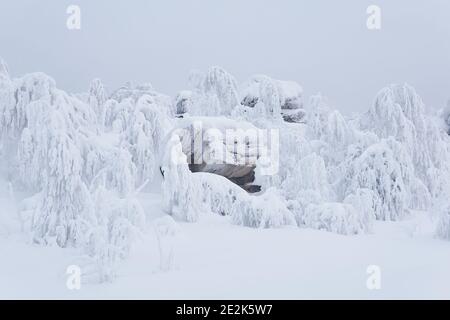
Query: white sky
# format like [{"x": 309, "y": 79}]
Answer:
[{"x": 322, "y": 44}]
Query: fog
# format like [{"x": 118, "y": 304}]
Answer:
[{"x": 323, "y": 44}]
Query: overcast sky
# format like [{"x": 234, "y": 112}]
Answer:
[{"x": 322, "y": 44}]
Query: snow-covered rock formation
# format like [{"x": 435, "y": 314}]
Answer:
[
  {"x": 278, "y": 97},
  {"x": 223, "y": 146},
  {"x": 188, "y": 195}
]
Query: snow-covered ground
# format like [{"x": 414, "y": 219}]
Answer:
[{"x": 215, "y": 259}]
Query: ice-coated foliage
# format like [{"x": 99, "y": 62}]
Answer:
[
  {"x": 398, "y": 111},
  {"x": 367, "y": 204},
  {"x": 179, "y": 194},
  {"x": 269, "y": 103},
  {"x": 443, "y": 226},
  {"x": 293, "y": 146},
  {"x": 263, "y": 93},
  {"x": 339, "y": 135},
  {"x": 317, "y": 116},
  {"x": 148, "y": 127},
  {"x": 212, "y": 94},
  {"x": 17, "y": 96},
  {"x": 334, "y": 217},
  {"x": 221, "y": 86},
  {"x": 309, "y": 174},
  {"x": 268, "y": 210},
  {"x": 97, "y": 98},
  {"x": 120, "y": 221},
  {"x": 64, "y": 212},
  {"x": 445, "y": 115},
  {"x": 376, "y": 169},
  {"x": 4, "y": 71},
  {"x": 84, "y": 179}
]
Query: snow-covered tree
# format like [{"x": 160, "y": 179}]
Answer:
[
  {"x": 367, "y": 205},
  {"x": 338, "y": 135},
  {"x": 64, "y": 212},
  {"x": 97, "y": 98},
  {"x": 443, "y": 226},
  {"x": 309, "y": 174},
  {"x": 120, "y": 222},
  {"x": 184, "y": 102},
  {"x": 317, "y": 116},
  {"x": 376, "y": 169},
  {"x": 269, "y": 103},
  {"x": 335, "y": 217},
  {"x": 148, "y": 127},
  {"x": 180, "y": 197},
  {"x": 222, "y": 85}
]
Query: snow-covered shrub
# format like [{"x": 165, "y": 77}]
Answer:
[
  {"x": 398, "y": 111},
  {"x": 114, "y": 111},
  {"x": 219, "y": 84},
  {"x": 6, "y": 100},
  {"x": 262, "y": 93},
  {"x": 269, "y": 103},
  {"x": 445, "y": 115},
  {"x": 62, "y": 157},
  {"x": 221, "y": 196},
  {"x": 120, "y": 221},
  {"x": 387, "y": 116},
  {"x": 366, "y": 204},
  {"x": 184, "y": 102},
  {"x": 303, "y": 199},
  {"x": 4, "y": 72},
  {"x": 120, "y": 173},
  {"x": 317, "y": 116},
  {"x": 309, "y": 174},
  {"x": 334, "y": 217},
  {"x": 97, "y": 98},
  {"x": 443, "y": 226},
  {"x": 418, "y": 196},
  {"x": 292, "y": 146},
  {"x": 181, "y": 198},
  {"x": 268, "y": 210},
  {"x": 376, "y": 169},
  {"x": 17, "y": 96},
  {"x": 64, "y": 212},
  {"x": 213, "y": 93},
  {"x": 338, "y": 135},
  {"x": 148, "y": 127}
]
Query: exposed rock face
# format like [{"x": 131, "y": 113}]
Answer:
[
  {"x": 290, "y": 96},
  {"x": 210, "y": 148},
  {"x": 294, "y": 116},
  {"x": 243, "y": 176},
  {"x": 183, "y": 102}
]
